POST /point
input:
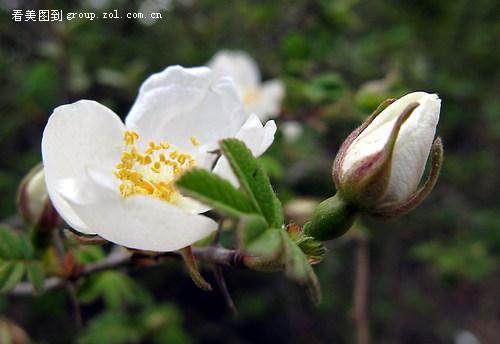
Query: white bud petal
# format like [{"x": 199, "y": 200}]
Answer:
[{"x": 412, "y": 145}]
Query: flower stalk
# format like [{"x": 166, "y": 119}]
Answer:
[{"x": 332, "y": 218}]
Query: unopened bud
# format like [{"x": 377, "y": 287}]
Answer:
[
  {"x": 379, "y": 166},
  {"x": 33, "y": 201}
]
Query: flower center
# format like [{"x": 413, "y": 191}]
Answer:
[
  {"x": 250, "y": 96},
  {"x": 152, "y": 172}
]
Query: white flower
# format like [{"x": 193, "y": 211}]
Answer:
[
  {"x": 117, "y": 180},
  {"x": 262, "y": 98},
  {"x": 292, "y": 130},
  {"x": 381, "y": 164}
]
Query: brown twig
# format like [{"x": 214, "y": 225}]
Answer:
[
  {"x": 69, "y": 285},
  {"x": 361, "y": 282},
  {"x": 114, "y": 260},
  {"x": 120, "y": 258},
  {"x": 75, "y": 304},
  {"x": 221, "y": 282}
]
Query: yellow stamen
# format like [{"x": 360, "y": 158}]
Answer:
[
  {"x": 194, "y": 141},
  {"x": 250, "y": 96},
  {"x": 142, "y": 174}
]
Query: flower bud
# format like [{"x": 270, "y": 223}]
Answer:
[
  {"x": 380, "y": 165},
  {"x": 33, "y": 201}
]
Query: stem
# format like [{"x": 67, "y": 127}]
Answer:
[
  {"x": 69, "y": 285},
  {"x": 221, "y": 282},
  {"x": 120, "y": 258},
  {"x": 331, "y": 219},
  {"x": 361, "y": 283},
  {"x": 77, "y": 311}
]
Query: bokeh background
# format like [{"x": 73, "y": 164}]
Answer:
[{"x": 434, "y": 273}]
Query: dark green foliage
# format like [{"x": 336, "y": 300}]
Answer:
[
  {"x": 158, "y": 324},
  {"x": 17, "y": 259},
  {"x": 114, "y": 288}
]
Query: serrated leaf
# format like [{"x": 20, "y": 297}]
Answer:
[
  {"x": 298, "y": 268},
  {"x": 11, "y": 273},
  {"x": 36, "y": 275},
  {"x": 254, "y": 181},
  {"x": 216, "y": 192}
]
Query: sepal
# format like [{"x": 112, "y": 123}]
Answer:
[
  {"x": 339, "y": 159},
  {"x": 366, "y": 183},
  {"x": 192, "y": 267},
  {"x": 400, "y": 208}
]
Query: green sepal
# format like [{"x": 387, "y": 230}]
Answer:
[
  {"x": 298, "y": 268},
  {"x": 314, "y": 250}
]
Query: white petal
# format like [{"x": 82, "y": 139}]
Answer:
[
  {"x": 268, "y": 102},
  {"x": 78, "y": 136},
  {"x": 292, "y": 130},
  {"x": 179, "y": 103},
  {"x": 412, "y": 149},
  {"x": 257, "y": 138},
  {"x": 139, "y": 222},
  {"x": 239, "y": 66},
  {"x": 412, "y": 145}
]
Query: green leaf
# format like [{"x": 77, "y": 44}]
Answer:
[
  {"x": 298, "y": 268},
  {"x": 115, "y": 288},
  {"x": 163, "y": 324},
  {"x": 7, "y": 243},
  {"x": 254, "y": 181},
  {"x": 16, "y": 258},
  {"x": 11, "y": 273},
  {"x": 36, "y": 275},
  {"x": 88, "y": 254},
  {"x": 112, "y": 327},
  {"x": 252, "y": 228},
  {"x": 216, "y": 192},
  {"x": 14, "y": 245},
  {"x": 268, "y": 243}
]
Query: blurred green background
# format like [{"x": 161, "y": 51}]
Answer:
[{"x": 434, "y": 273}]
